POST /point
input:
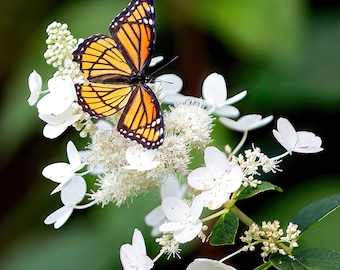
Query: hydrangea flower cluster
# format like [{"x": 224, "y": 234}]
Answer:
[
  {"x": 272, "y": 238},
  {"x": 125, "y": 169}
]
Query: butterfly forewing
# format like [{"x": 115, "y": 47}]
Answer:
[
  {"x": 100, "y": 59},
  {"x": 134, "y": 31}
]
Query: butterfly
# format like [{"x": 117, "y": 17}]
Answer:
[{"x": 115, "y": 70}]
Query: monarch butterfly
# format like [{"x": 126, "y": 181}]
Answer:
[{"x": 115, "y": 69}]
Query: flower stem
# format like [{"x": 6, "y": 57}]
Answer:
[
  {"x": 158, "y": 256},
  {"x": 217, "y": 214},
  {"x": 241, "y": 215},
  {"x": 231, "y": 255},
  {"x": 240, "y": 144},
  {"x": 281, "y": 156},
  {"x": 84, "y": 206}
]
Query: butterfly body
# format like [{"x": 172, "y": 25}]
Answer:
[{"x": 115, "y": 69}]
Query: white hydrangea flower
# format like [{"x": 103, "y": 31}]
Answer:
[
  {"x": 171, "y": 85},
  {"x": 217, "y": 180},
  {"x": 184, "y": 221},
  {"x": 62, "y": 172},
  {"x": 73, "y": 193},
  {"x": 57, "y": 124},
  {"x": 60, "y": 97},
  {"x": 134, "y": 256},
  {"x": 140, "y": 158},
  {"x": 246, "y": 122},
  {"x": 203, "y": 264},
  {"x": 170, "y": 188},
  {"x": 296, "y": 141},
  {"x": 214, "y": 92},
  {"x": 34, "y": 84}
]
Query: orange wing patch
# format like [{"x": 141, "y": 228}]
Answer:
[
  {"x": 99, "y": 59},
  {"x": 103, "y": 100},
  {"x": 142, "y": 119}
]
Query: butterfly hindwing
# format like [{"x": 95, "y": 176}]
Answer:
[
  {"x": 142, "y": 118},
  {"x": 101, "y": 100}
]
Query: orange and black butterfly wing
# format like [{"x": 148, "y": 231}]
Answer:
[
  {"x": 101, "y": 60},
  {"x": 101, "y": 99},
  {"x": 142, "y": 118},
  {"x": 134, "y": 30}
]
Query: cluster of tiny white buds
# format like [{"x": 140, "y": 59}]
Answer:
[
  {"x": 292, "y": 234},
  {"x": 250, "y": 162},
  {"x": 169, "y": 246},
  {"x": 202, "y": 235},
  {"x": 60, "y": 44},
  {"x": 270, "y": 235},
  {"x": 71, "y": 69},
  {"x": 85, "y": 124}
]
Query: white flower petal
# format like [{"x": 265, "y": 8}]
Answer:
[
  {"x": 52, "y": 131},
  {"x": 171, "y": 226},
  {"x": 34, "y": 84},
  {"x": 58, "y": 172},
  {"x": 175, "y": 209},
  {"x": 170, "y": 187},
  {"x": 246, "y": 122},
  {"x": 196, "y": 208},
  {"x": 170, "y": 83},
  {"x": 227, "y": 111},
  {"x": 155, "y": 60},
  {"x": 134, "y": 256},
  {"x": 155, "y": 217},
  {"x": 214, "y": 158},
  {"x": 208, "y": 264},
  {"x": 50, "y": 104},
  {"x": 202, "y": 178},
  {"x": 233, "y": 179},
  {"x": 59, "y": 217},
  {"x": 128, "y": 257},
  {"x": 74, "y": 192},
  {"x": 285, "y": 134},
  {"x": 215, "y": 197},
  {"x": 138, "y": 242},
  {"x": 262, "y": 122},
  {"x": 140, "y": 158},
  {"x": 188, "y": 233},
  {"x": 63, "y": 88},
  {"x": 73, "y": 155},
  {"x": 307, "y": 142},
  {"x": 235, "y": 98},
  {"x": 214, "y": 89}
]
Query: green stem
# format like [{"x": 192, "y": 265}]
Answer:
[
  {"x": 241, "y": 215},
  {"x": 217, "y": 214}
]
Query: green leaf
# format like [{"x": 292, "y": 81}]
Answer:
[
  {"x": 316, "y": 212},
  {"x": 247, "y": 192},
  {"x": 264, "y": 266},
  {"x": 224, "y": 230},
  {"x": 309, "y": 258}
]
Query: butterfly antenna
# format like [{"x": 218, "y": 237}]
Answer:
[{"x": 166, "y": 64}]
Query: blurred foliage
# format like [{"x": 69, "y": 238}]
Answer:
[{"x": 285, "y": 53}]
